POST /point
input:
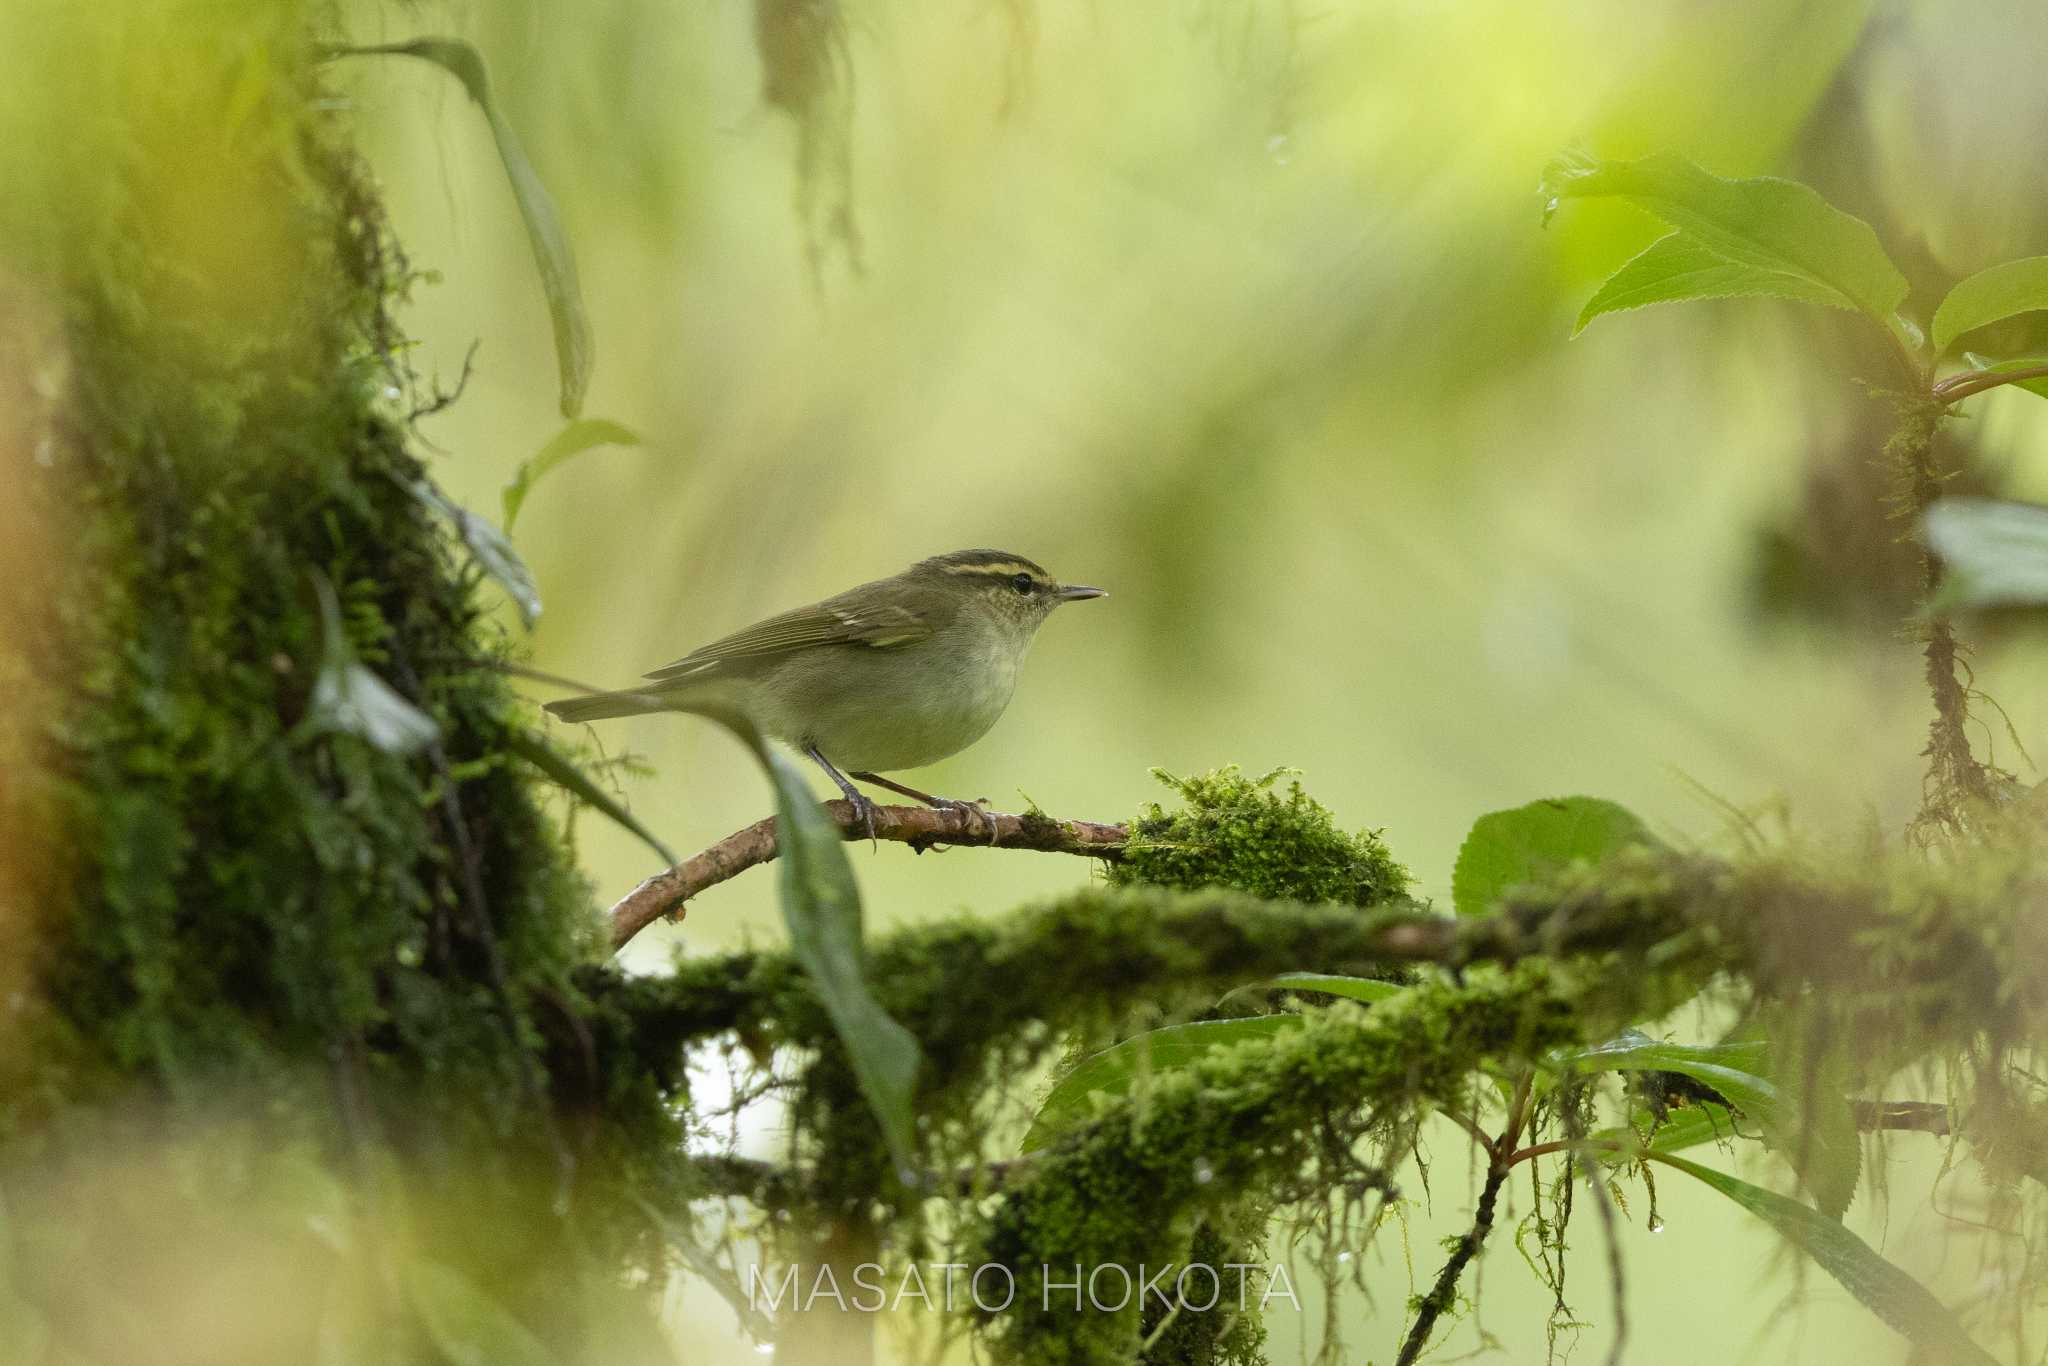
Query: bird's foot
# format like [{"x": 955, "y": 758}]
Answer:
[
  {"x": 977, "y": 810},
  {"x": 865, "y": 810}
]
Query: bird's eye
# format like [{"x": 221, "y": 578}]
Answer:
[{"x": 1023, "y": 584}]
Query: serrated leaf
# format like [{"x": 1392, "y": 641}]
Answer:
[
  {"x": 1883, "y": 1288},
  {"x": 1827, "y": 1149},
  {"x": 551, "y": 253},
  {"x": 1989, "y": 296},
  {"x": 1677, "y": 267},
  {"x": 579, "y": 436},
  {"x": 1776, "y": 226},
  {"x": 1996, "y": 552},
  {"x": 566, "y": 775},
  {"x": 494, "y": 554},
  {"x": 1506, "y": 848},
  {"x": 1116, "y": 1070},
  {"x": 349, "y": 699},
  {"x": 466, "y": 1326},
  {"x": 821, "y": 906}
]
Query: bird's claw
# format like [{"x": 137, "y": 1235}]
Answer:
[
  {"x": 978, "y": 809},
  {"x": 865, "y": 809}
]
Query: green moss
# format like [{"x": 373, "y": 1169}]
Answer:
[
  {"x": 1234, "y": 831},
  {"x": 1135, "y": 1186}
]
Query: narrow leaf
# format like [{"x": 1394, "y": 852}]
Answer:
[
  {"x": 1776, "y": 226},
  {"x": 1884, "y": 1289},
  {"x": 1116, "y": 1070},
  {"x": 581, "y": 435},
  {"x": 492, "y": 551},
  {"x": 551, "y": 253},
  {"x": 1506, "y": 848},
  {"x": 349, "y": 699},
  {"x": 466, "y": 1326},
  {"x": 1366, "y": 989},
  {"x": 1989, "y": 296},
  {"x": 1996, "y": 552},
  {"x": 566, "y": 775},
  {"x": 1827, "y": 1148},
  {"x": 821, "y": 907},
  {"x": 1677, "y": 266}
]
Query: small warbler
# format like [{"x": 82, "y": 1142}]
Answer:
[{"x": 894, "y": 674}]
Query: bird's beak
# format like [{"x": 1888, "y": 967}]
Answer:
[{"x": 1078, "y": 592}]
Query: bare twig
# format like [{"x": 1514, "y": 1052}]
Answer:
[{"x": 919, "y": 827}]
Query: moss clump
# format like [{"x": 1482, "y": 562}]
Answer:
[
  {"x": 1136, "y": 1185},
  {"x": 1234, "y": 831}
]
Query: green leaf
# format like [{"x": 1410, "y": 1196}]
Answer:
[
  {"x": 492, "y": 551},
  {"x": 579, "y": 436},
  {"x": 1828, "y": 1150},
  {"x": 1996, "y": 552},
  {"x": 1507, "y": 848},
  {"x": 566, "y": 775},
  {"x": 1884, "y": 1289},
  {"x": 1116, "y": 1070},
  {"x": 1366, "y": 989},
  {"x": 1684, "y": 1128},
  {"x": 1677, "y": 266},
  {"x": 1989, "y": 296},
  {"x": 1778, "y": 227},
  {"x": 551, "y": 253},
  {"x": 348, "y": 698},
  {"x": 1985, "y": 365},
  {"x": 821, "y": 907},
  {"x": 468, "y": 1327}
]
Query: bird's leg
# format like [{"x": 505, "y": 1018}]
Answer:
[
  {"x": 854, "y": 795},
  {"x": 981, "y": 816}
]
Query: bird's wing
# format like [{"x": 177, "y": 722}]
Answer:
[{"x": 878, "y": 626}]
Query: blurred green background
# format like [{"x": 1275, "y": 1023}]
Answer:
[{"x": 1244, "y": 311}]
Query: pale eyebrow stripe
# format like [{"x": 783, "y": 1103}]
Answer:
[{"x": 1004, "y": 568}]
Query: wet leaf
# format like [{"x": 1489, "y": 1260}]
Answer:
[{"x": 492, "y": 551}]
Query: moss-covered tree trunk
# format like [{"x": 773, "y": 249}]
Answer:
[{"x": 262, "y": 946}]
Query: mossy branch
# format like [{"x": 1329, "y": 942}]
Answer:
[{"x": 919, "y": 827}]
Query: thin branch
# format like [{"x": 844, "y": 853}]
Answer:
[
  {"x": 919, "y": 827},
  {"x": 1958, "y": 387}
]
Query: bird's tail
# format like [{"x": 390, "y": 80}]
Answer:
[{"x": 600, "y": 706}]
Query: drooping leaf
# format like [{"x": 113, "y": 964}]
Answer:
[
  {"x": 1677, "y": 266},
  {"x": 1825, "y": 1147},
  {"x": 579, "y": 436},
  {"x": 466, "y": 1326},
  {"x": 551, "y": 253},
  {"x": 1989, "y": 296},
  {"x": 821, "y": 906},
  {"x": 1680, "y": 1129},
  {"x": 557, "y": 767},
  {"x": 349, "y": 699},
  {"x": 1996, "y": 552},
  {"x": 1521, "y": 845},
  {"x": 1984, "y": 364},
  {"x": 493, "y": 552},
  {"x": 1883, "y": 1288},
  {"x": 1779, "y": 227},
  {"x": 1115, "y": 1070}
]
